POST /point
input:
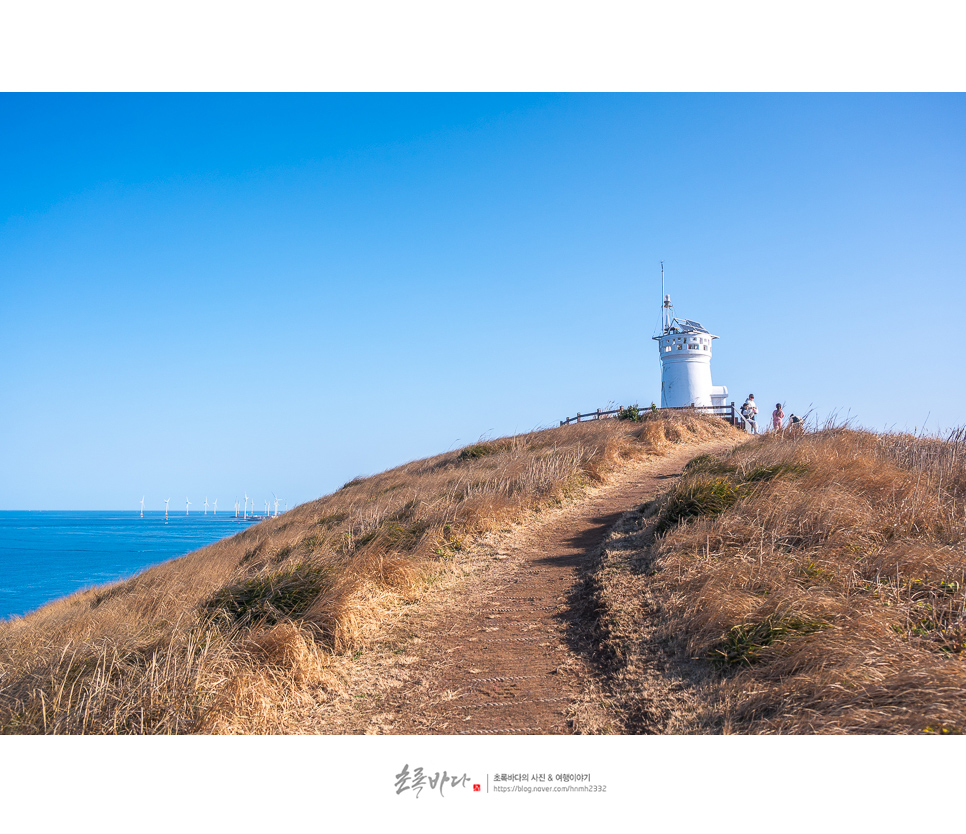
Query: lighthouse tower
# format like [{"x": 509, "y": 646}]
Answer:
[{"x": 685, "y": 348}]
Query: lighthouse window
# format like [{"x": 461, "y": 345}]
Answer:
[
  {"x": 705, "y": 347},
  {"x": 680, "y": 347}
]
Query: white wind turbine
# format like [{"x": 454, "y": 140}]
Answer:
[
  {"x": 245, "y": 511},
  {"x": 142, "y": 506},
  {"x": 206, "y": 505},
  {"x": 236, "y": 508},
  {"x": 276, "y": 504},
  {"x": 166, "y": 500},
  {"x": 216, "y": 507},
  {"x": 187, "y": 504},
  {"x": 266, "y": 509}
]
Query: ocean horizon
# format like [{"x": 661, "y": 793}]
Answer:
[{"x": 49, "y": 554}]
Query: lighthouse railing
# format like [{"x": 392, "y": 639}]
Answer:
[{"x": 727, "y": 412}]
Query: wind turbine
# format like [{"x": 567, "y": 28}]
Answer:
[
  {"x": 187, "y": 504},
  {"x": 216, "y": 507},
  {"x": 166, "y": 510},
  {"x": 236, "y": 508},
  {"x": 266, "y": 509},
  {"x": 276, "y": 504},
  {"x": 206, "y": 505},
  {"x": 142, "y": 506},
  {"x": 245, "y": 511}
]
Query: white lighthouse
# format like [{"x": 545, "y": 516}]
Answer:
[{"x": 685, "y": 348}]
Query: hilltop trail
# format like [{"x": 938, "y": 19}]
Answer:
[{"x": 504, "y": 648}]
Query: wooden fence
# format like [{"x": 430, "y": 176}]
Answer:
[{"x": 726, "y": 412}]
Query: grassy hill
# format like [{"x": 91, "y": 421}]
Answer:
[
  {"x": 222, "y": 639},
  {"x": 808, "y": 583}
]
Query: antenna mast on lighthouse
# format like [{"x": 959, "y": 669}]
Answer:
[{"x": 666, "y": 308}]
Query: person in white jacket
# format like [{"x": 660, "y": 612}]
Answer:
[{"x": 750, "y": 412}]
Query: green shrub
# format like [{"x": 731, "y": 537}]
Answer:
[
  {"x": 271, "y": 597},
  {"x": 744, "y": 643},
  {"x": 632, "y": 413},
  {"x": 708, "y": 464},
  {"x": 697, "y": 496},
  {"x": 711, "y": 486},
  {"x": 478, "y": 450}
]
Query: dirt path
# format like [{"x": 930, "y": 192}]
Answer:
[{"x": 505, "y": 649}]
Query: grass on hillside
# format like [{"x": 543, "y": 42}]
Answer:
[
  {"x": 800, "y": 584},
  {"x": 224, "y": 639}
]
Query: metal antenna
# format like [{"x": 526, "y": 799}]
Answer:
[
  {"x": 663, "y": 329},
  {"x": 666, "y": 317}
]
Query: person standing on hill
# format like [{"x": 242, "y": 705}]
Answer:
[
  {"x": 777, "y": 417},
  {"x": 750, "y": 412}
]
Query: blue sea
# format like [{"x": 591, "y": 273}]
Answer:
[{"x": 46, "y": 555}]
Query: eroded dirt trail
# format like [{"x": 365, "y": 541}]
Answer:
[{"x": 506, "y": 649}]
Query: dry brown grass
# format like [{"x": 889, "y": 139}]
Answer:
[
  {"x": 226, "y": 639},
  {"x": 811, "y": 584}
]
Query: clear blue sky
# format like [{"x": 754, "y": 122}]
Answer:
[{"x": 204, "y": 295}]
